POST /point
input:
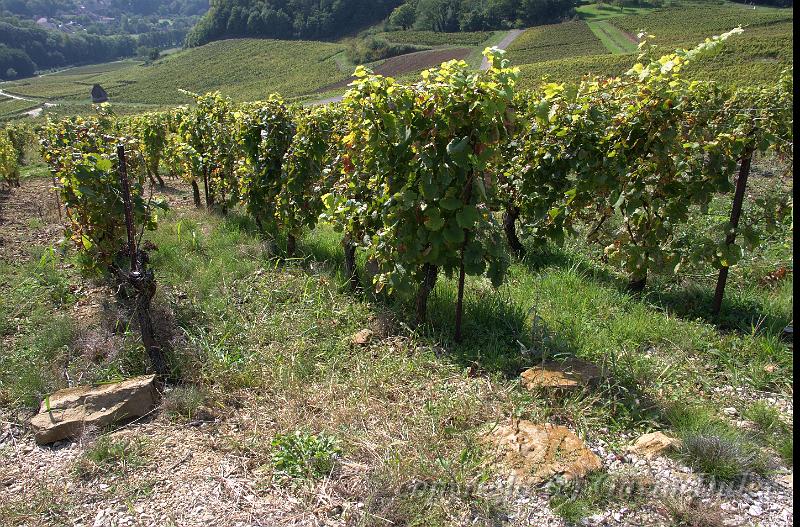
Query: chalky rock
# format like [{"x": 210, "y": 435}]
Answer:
[
  {"x": 67, "y": 413},
  {"x": 538, "y": 453},
  {"x": 570, "y": 374},
  {"x": 654, "y": 444},
  {"x": 362, "y": 338}
]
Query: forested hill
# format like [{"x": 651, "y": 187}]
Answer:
[
  {"x": 26, "y": 49},
  {"x": 284, "y": 19},
  {"x": 324, "y": 19},
  {"x": 43, "y": 34}
]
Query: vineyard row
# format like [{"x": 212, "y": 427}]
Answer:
[{"x": 445, "y": 175}]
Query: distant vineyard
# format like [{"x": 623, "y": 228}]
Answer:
[
  {"x": 539, "y": 44},
  {"x": 438, "y": 176},
  {"x": 573, "y": 69},
  {"x": 433, "y": 38},
  {"x": 294, "y": 67},
  {"x": 678, "y": 27},
  {"x": 567, "y": 55}
]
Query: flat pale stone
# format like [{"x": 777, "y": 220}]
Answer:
[
  {"x": 537, "y": 453},
  {"x": 572, "y": 373},
  {"x": 653, "y": 444},
  {"x": 67, "y": 413}
]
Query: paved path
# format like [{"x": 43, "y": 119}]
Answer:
[
  {"x": 34, "y": 112},
  {"x": 17, "y": 97},
  {"x": 510, "y": 37}
]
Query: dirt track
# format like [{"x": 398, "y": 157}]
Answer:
[{"x": 510, "y": 37}]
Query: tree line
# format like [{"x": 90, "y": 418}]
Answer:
[
  {"x": 323, "y": 19},
  {"x": 479, "y": 15},
  {"x": 25, "y": 49},
  {"x": 287, "y": 19}
]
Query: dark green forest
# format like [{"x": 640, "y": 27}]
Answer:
[
  {"x": 24, "y": 50},
  {"x": 284, "y": 19},
  {"x": 327, "y": 19},
  {"x": 72, "y": 33}
]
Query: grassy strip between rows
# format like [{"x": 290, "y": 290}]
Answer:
[
  {"x": 252, "y": 321},
  {"x": 612, "y": 38},
  {"x": 245, "y": 324}
]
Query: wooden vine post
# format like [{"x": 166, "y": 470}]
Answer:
[
  {"x": 736, "y": 213},
  {"x": 459, "y": 338},
  {"x": 139, "y": 277}
]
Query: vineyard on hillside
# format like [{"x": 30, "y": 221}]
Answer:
[
  {"x": 571, "y": 39},
  {"x": 391, "y": 309},
  {"x": 430, "y": 178}
]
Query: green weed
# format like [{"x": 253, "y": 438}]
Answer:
[
  {"x": 575, "y": 500},
  {"x": 109, "y": 455},
  {"x": 301, "y": 455},
  {"x": 184, "y": 402}
]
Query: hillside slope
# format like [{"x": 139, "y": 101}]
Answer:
[
  {"x": 566, "y": 52},
  {"x": 246, "y": 69},
  {"x": 250, "y": 69}
]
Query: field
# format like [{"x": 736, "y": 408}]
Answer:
[
  {"x": 405, "y": 64},
  {"x": 601, "y": 11},
  {"x": 10, "y": 108},
  {"x": 692, "y": 23},
  {"x": 570, "y": 39},
  {"x": 615, "y": 40},
  {"x": 216, "y": 66},
  {"x": 432, "y": 38},
  {"x": 573, "y": 69},
  {"x": 755, "y": 58}
]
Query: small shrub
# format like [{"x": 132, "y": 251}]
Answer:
[
  {"x": 109, "y": 455},
  {"x": 724, "y": 457},
  {"x": 374, "y": 48},
  {"x": 304, "y": 456},
  {"x": 184, "y": 402}
]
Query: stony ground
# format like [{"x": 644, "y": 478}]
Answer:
[
  {"x": 204, "y": 473},
  {"x": 211, "y": 470}
]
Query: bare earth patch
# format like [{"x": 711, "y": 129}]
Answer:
[{"x": 28, "y": 218}]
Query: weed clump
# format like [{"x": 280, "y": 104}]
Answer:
[
  {"x": 714, "y": 447},
  {"x": 576, "y": 500},
  {"x": 110, "y": 456},
  {"x": 726, "y": 458},
  {"x": 184, "y": 402},
  {"x": 692, "y": 513},
  {"x": 303, "y": 456}
]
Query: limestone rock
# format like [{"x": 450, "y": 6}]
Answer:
[
  {"x": 537, "y": 453},
  {"x": 653, "y": 444},
  {"x": 362, "y": 337},
  {"x": 572, "y": 373},
  {"x": 67, "y": 413}
]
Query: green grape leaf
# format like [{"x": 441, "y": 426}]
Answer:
[
  {"x": 433, "y": 219},
  {"x": 468, "y": 217}
]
